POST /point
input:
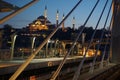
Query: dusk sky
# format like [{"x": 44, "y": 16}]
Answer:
[{"x": 64, "y": 6}]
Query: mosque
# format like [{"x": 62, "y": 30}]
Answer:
[{"x": 42, "y": 23}]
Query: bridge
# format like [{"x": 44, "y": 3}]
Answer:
[{"x": 74, "y": 63}]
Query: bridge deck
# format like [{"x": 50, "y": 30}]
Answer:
[
  {"x": 7, "y": 67},
  {"x": 97, "y": 72}
]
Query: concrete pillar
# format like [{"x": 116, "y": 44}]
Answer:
[{"x": 116, "y": 32}]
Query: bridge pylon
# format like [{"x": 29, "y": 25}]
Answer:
[{"x": 116, "y": 32}]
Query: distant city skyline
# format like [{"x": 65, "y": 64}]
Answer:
[{"x": 24, "y": 18}]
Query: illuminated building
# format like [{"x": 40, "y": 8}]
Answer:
[{"x": 41, "y": 23}]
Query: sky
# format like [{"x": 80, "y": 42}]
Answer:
[{"x": 64, "y": 6}]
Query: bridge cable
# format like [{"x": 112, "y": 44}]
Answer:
[
  {"x": 30, "y": 58},
  {"x": 110, "y": 27},
  {"x": 74, "y": 43},
  {"x": 61, "y": 64},
  {"x": 109, "y": 42},
  {"x": 77, "y": 73},
  {"x": 101, "y": 37}
]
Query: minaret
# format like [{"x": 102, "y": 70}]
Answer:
[
  {"x": 57, "y": 16},
  {"x": 73, "y": 23},
  {"x": 63, "y": 24},
  {"x": 45, "y": 12},
  {"x": 45, "y": 15}
]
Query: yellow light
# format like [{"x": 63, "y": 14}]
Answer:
[
  {"x": 33, "y": 25},
  {"x": 43, "y": 25}
]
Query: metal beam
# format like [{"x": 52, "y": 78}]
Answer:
[{"x": 4, "y": 19}]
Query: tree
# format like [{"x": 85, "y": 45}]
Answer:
[{"x": 7, "y": 31}]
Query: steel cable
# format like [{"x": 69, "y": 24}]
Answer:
[
  {"x": 77, "y": 73},
  {"x": 74, "y": 43},
  {"x": 101, "y": 37},
  {"x": 30, "y": 58},
  {"x": 64, "y": 59},
  {"x": 107, "y": 41}
]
